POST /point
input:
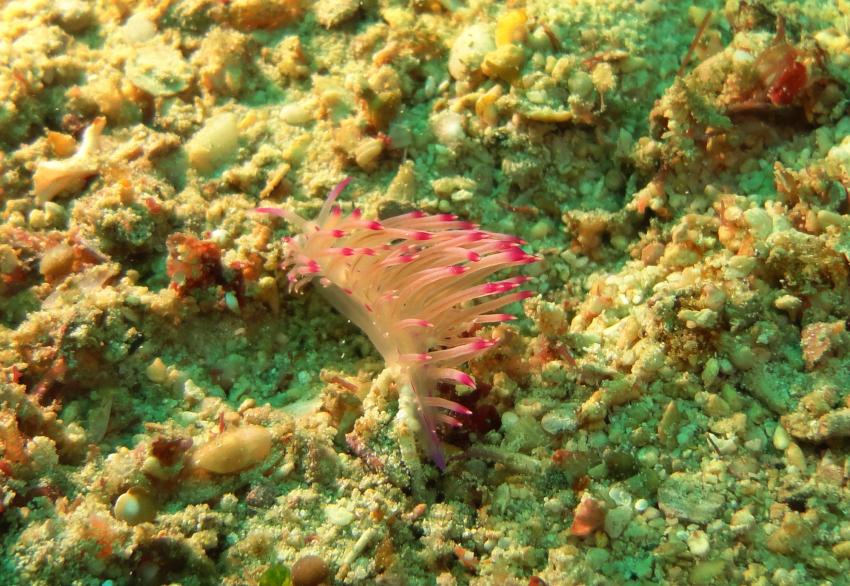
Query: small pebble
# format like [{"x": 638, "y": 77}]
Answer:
[
  {"x": 338, "y": 515},
  {"x": 57, "y": 261},
  {"x": 781, "y": 441},
  {"x": 698, "y": 543},
  {"x": 559, "y": 421},
  {"x": 215, "y": 143},
  {"x": 157, "y": 371},
  {"x": 135, "y": 506},
  {"x": 616, "y": 521},
  {"x": 794, "y": 456},
  {"x": 138, "y": 28},
  {"x": 234, "y": 450},
  {"x": 309, "y": 570}
]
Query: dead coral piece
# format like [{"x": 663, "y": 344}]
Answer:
[{"x": 67, "y": 176}]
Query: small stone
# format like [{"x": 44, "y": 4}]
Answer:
[
  {"x": 685, "y": 496},
  {"x": 669, "y": 424},
  {"x": 795, "y": 457},
  {"x": 742, "y": 521},
  {"x": 309, "y": 570},
  {"x": 234, "y": 450},
  {"x": 138, "y": 28},
  {"x": 698, "y": 543},
  {"x": 715, "y": 406},
  {"x": 448, "y": 128},
  {"x": 620, "y": 464},
  {"x": 248, "y": 15},
  {"x": 540, "y": 230},
  {"x": 842, "y": 550},
  {"x": 830, "y": 470},
  {"x": 760, "y": 222},
  {"x": 8, "y": 260},
  {"x": 788, "y": 303},
  {"x": 469, "y": 49},
  {"x": 706, "y": 572},
  {"x": 74, "y": 16},
  {"x": 157, "y": 372},
  {"x": 135, "y": 506},
  {"x": 597, "y": 558},
  {"x": 820, "y": 340},
  {"x": 160, "y": 71},
  {"x": 710, "y": 371},
  {"x": 57, "y": 261},
  {"x": 704, "y": 318},
  {"x": 504, "y": 63},
  {"x": 261, "y": 496},
  {"x": 367, "y": 151},
  {"x": 781, "y": 440},
  {"x": 648, "y": 456},
  {"x": 723, "y": 445},
  {"x": 332, "y": 13},
  {"x": 793, "y": 536},
  {"x": 589, "y": 515},
  {"x": 215, "y": 143},
  {"x": 338, "y": 516},
  {"x": 733, "y": 425},
  {"x": 559, "y": 421},
  {"x": 742, "y": 357},
  {"x": 297, "y": 113},
  {"x": 616, "y": 521},
  {"x": 581, "y": 84}
]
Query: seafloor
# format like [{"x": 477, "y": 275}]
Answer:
[{"x": 671, "y": 407}]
